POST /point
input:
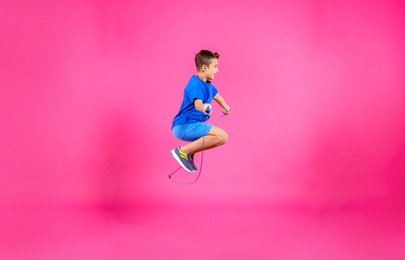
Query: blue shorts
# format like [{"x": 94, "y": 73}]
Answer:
[{"x": 191, "y": 132}]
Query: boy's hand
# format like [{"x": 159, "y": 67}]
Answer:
[
  {"x": 226, "y": 111},
  {"x": 207, "y": 109}
]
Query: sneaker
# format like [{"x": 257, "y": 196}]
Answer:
[
  {"x": 183, "y": 159},
  {"x": 192, "y": 163}
]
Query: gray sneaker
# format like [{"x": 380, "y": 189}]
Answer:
[
  {"x": 183, "y": 159},
  {"x": 192, "y": 163}
]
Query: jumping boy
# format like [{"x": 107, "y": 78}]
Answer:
[{"x": 189, "y": 123}]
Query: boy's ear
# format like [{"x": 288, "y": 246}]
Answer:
[{"x": 203, "y": 68}]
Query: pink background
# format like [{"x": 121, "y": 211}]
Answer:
[{"x": 89, "y": 89}]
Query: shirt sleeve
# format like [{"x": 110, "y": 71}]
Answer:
[
  {"x": 195, "y": 92},
  {"x": 214, "y": 91}
]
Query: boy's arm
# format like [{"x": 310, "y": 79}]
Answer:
[
  {"x": 220, "y": 100},
  {"x": 200, "y": 106}
]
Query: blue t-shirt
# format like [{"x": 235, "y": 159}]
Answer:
[{"x": 195, "y": 89}]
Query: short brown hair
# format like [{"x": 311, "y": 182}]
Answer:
[{"x": 204, "y": 58}]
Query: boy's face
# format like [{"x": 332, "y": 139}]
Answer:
[{"x": 211, "y": 70}]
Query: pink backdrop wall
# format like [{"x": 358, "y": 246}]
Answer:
[{"x": 89, "y": 89}]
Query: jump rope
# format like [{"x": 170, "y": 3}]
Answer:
[{"x": 208, "y": 111}]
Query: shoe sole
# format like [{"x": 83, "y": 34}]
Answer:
[{"x": 179, "y": 161}]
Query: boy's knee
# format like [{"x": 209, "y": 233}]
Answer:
[{"x": 223, "y": 137}]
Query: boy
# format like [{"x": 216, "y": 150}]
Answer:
[{"x": 189, "y": 123}]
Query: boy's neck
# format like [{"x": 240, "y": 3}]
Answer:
[{"x": 201, "y": 76}]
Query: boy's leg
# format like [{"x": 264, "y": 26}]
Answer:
[{"x": 215, "y": 137}]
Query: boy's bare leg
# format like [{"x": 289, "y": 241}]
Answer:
[{"x": 215, "y": 137}]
